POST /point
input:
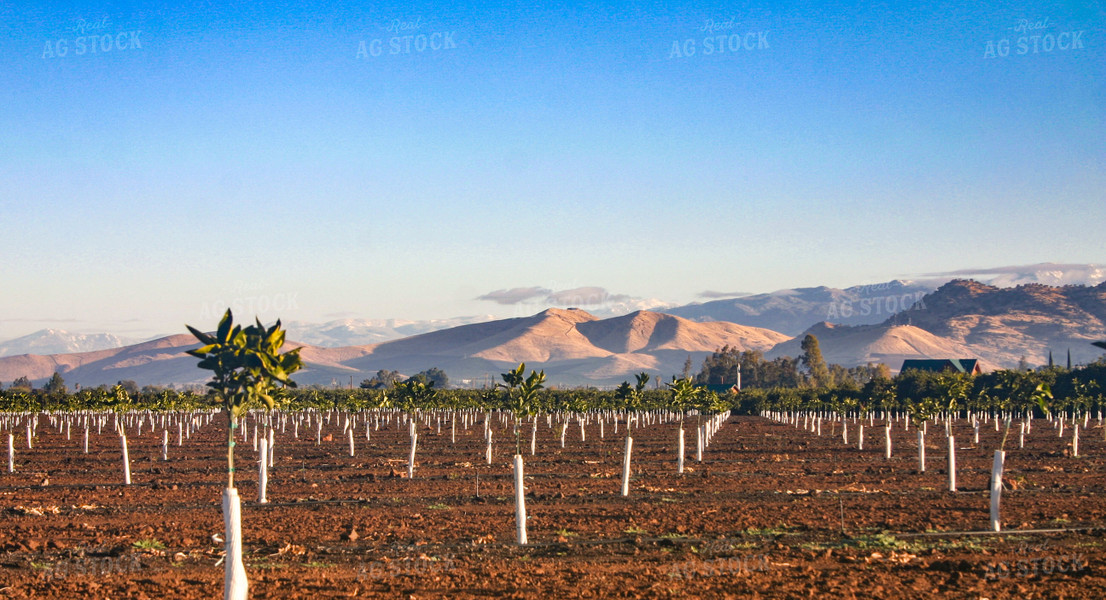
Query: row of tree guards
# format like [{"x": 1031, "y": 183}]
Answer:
[
  {"x": 812, "y": 421},
  {"x": 259, "y": 428}
]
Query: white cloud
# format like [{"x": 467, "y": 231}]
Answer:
[
  {"x": 713, "y": 295},
  {"x": 515, "y": 295}
]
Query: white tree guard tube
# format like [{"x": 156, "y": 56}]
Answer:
[
  {"x": 126, "y": 461},
  {"x": 921, "y": 449},
  {"x": 952, "y": 464},
  {"x": 263, "y": 475},
  {"x": 411, "y": 456},
  {"x": 680, "y": 453},
  {"x": 11, "y": 453},
  {"x": 272, "y": 448},
  {"x": 235, "y": 584},
  {"x": 699, "y": 443},
  {"x": 520, "y": 502},
  {"x": 165, "y": 444},
  {"x": 626, "y": 466},
  {"x": 534, "y": 437},
  {"x": 860, "y": 438},
  {"x": 86, "y": 439},
  {"x": 996, "y": 489},
  {"x": 349, "y": 434},
  {"x": 488, "y": 450},
  {"x": 1075, "y": 440}
]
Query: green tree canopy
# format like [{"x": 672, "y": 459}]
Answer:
[
  {"x": 813, "y": 361},
  {"x": 56, "y": 385},
  {"x": 22, "y": 383},
  {"x": 383, "y": 380}
]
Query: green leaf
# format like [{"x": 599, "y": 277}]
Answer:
[{"x": 203, "y": 337}]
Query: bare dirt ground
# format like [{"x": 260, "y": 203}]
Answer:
[{"x": 773, "y": 511}]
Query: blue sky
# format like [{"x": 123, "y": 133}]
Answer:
[{"x": 225, "y": 152}]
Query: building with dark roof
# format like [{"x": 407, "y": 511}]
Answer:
[{"x": 940, "y": 365}]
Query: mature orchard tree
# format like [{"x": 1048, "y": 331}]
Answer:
[{"x": 383, "y": 380}]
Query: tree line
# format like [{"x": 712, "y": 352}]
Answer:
[{"x": 803, "y": 383}]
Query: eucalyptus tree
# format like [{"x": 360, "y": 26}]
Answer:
[{"x": 247, "y": 366}]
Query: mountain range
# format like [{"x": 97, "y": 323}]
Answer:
[
  {"x": 58, "y": 341},
  {"x": 962, "y": 318},
  {"x": 792, "y": 311},
  {"x": 572, "y": 346}
]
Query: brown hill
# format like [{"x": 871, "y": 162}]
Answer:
[
  {"x": 645, "y": 331},
  {"x": 887, "y": 344},
  {"x": 1002, "y": 325},
  {"x": 572, "y": 346}
]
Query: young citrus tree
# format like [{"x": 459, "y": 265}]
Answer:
[
  {"x": 684, "y": 394},
  {"x": 523, "y": 404},
  {"x": 247, "y": 366}
]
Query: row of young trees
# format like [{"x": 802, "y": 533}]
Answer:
[
  {"x": 1076, "y": 389},
  {"x": 927, "y": 393}
]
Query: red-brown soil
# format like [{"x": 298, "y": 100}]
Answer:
[{"x": 772, "y": 512}]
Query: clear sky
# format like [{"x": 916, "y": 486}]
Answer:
[{"x": 300, "y": 160}]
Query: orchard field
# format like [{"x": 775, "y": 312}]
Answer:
[{"x": 773, "y": 509}]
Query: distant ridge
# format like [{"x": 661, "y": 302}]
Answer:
[
  {"x": 572, "y": 346},
  {"x": 792, "y": 311},
  {"x": 961, "y": 319},
  {"x": 59, "y": 341}
]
